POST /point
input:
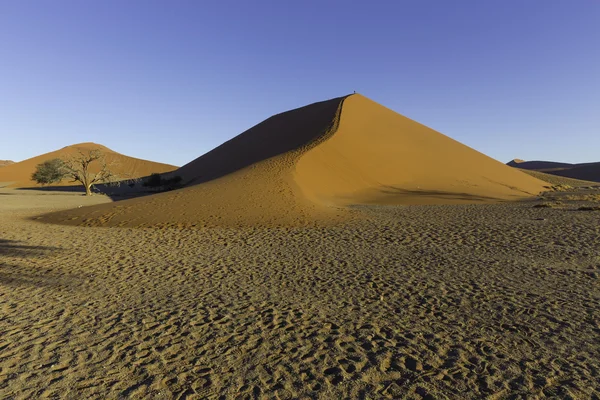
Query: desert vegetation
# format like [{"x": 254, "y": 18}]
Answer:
[
  {"x": 156, "y": 182},
  {"x": 87, "y": 168}
]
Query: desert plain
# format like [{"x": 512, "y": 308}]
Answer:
[{"x": 360, "y": 256}]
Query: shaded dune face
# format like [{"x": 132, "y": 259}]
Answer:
[
  {"x": 541, "y": 165},
  {"x": 304, "y": 166},
  {"x": 18, "y": 175},
  {"x": 277, "y": 135},
  {"x": 588, "y": 172}
]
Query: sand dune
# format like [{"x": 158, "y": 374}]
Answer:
[
  {"x": 590, "y": 172},
  {"x": 307, "y": 164},
  {"x": 18, "y": 175},
  {"x": 271, "y": 139},
  {"x": 4, "y": 163},
  {"x": 559, "y": 180},
  {"x": 581, "y": 171},
  {"x": 542, "y": 166},
  {"x": 380, "y": 157}
]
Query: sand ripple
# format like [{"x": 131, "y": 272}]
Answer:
[{"x": 486, "y": 301}]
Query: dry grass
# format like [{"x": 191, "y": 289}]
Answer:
[
  {"x": 582, "y": 197},
  {"x": 569, "y": 199},
  {"x": 548, "y": 205}
]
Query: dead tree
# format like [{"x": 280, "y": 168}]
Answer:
[{"x": 81, "y": 166}]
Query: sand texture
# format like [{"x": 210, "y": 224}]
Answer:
[
  {"x": 4, "y": 163},
  {"x": 307, "y": 165},
  {"x": 18, "y": 175},
  {"x": 495, "y": 301}
]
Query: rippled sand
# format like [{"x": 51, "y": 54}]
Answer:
[{"x": 464, "y": 301}]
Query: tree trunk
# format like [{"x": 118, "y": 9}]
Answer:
[{"x": 88, "y": 190}]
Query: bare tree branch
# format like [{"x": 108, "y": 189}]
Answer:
[{"x": 78, "y": 168}]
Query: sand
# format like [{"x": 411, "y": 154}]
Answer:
[
  {"x": 560, "y": 180},
  {"x": 18, "y": 175},
  {"x": 4, "y": 163},
  {"x": 424, "y": 301},
  {"x": 542, "y": 166},
  {"x": 378, "y": 156},
  {"x": 306, "y": 166},
  {"x": 582, "y": 171}
]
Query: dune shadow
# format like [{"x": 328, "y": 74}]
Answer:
[
  {"x": 14, "y": 248},
  {"x": 13, "y": 275},
  {"x": 436, "y": 194},
  {"x": 115, "y": 193},
  {"x": 282, "y": 133}
]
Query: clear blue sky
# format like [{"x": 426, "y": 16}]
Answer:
[{"x": 169, "y": 80}]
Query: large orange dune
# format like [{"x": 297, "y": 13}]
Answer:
[
  {"x": 309, "y": 164},
  {"x": 18, "y": 175}
]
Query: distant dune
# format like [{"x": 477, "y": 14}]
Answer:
[
  {"x": 308, "y": 164},
  {"x": 559, "y": 180},
  {"x": 4, "y": 163},
  {"x": 542, "y": 166},
  {"x": 582, "y": 171},
  {"x": 590, "y": 172},
  {"x": 18, "y": 175}
]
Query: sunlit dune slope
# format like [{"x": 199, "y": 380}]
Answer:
[
  {"x": 379, "y": 156},
  {"x": 19, "y": 174},
  {"x": 306, "y": 165}
]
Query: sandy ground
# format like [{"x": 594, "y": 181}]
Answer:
[{"x": 461, "y": 301}]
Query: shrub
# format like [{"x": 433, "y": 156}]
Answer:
[
  {"x": 156, "y": 182},
  {"x": 50, "y": 171},
  {"x": 153, "y": 181}
]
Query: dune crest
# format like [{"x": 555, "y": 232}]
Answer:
[
  {"x": 514, "y": 162},
  {"x": 306, "y": 165},
  {"x": 18, "y": 175}
]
